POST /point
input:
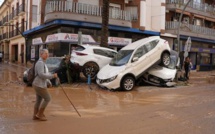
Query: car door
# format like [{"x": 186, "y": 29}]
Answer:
[
  {"x": 153, "y": 51},
  {"x": 141, "y": 64}
]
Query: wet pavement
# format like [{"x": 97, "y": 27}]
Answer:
[{"x": 188, "y": 108}]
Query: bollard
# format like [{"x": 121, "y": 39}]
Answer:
[{"x": 89, "y": 80}]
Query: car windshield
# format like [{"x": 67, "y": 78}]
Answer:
[
  {"x": 121, "y": 58},
  {"x": 53, "y": 63}
]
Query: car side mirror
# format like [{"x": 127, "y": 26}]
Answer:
[{"x": 135, "y": 59}]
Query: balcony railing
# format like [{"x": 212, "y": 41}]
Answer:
[
  {"x": 5, "y": 19},
  {"x": 192, "y": 28},
  {"x": 21, "y": 8},
  {"x": 5, "y": 36},
  {"x": 195, "y": 5},
  {"x": 11, "y": 34},
  {"x": 81, "y": 8}
]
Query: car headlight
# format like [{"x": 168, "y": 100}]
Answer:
[
  {"x": 107, "y": 80},
  {"x": 112, "y": 78}
]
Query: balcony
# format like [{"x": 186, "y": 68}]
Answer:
[
  {"x": 21, "y": 9},
  {"x": 5, "y": 37},
  {"x": 11, "y": 17},
  {"x": 193, "y": 7},
  {"x": 85, "y": 12},
  {"x": 5, "y": 20},
  {"x": 190, "y": 30},
  {"x": 15, "y": 14}
]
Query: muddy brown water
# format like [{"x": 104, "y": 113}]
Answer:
[{"x": 146, "y": 109}]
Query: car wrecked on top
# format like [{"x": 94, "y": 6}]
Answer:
[{"x": 133, "y": 61}]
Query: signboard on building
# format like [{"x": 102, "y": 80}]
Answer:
[
  {"x": 67, "y": 37},
  {"x": 37, "y": 41},
  {"x": 118, "y": 41}
]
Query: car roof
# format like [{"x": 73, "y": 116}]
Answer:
[
  {"x": 97, "y": 47},
  {"x": 138, "y": 43}
]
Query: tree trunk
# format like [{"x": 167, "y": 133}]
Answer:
[{"x": 105, "y": 21}]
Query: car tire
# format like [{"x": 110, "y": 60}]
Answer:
[
  {"x": 90, "y": 68},
  {"x": 165, "y": 59},
  {"x": 128, "y": 83}
]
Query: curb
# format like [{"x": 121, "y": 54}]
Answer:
[{"x": 17, "y": 65}]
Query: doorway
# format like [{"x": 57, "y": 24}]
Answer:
[{"x": 14, "y": 53}]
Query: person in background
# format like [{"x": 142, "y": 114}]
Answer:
[
  {"x": 187, "y": 67},
  {"x": 40, "y": 83},
  {"x": 1, "y": 55},
  {"x": 66, "y": 67}
]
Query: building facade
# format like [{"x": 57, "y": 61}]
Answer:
[
  {"x": 16, "y": 16},
  {"x": 198, "y": 22},
  {"x": 129, "y": 20}
]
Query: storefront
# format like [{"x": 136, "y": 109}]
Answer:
[
  {"x": 59, "y": 35},
  {"x": 203, "y": 59},
  {"x": 61, "y": 44},
  {"x": 202, "y": 53}
]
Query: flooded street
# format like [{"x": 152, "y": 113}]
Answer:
[{"x": 147, "y": 109}]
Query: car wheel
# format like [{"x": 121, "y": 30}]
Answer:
[
  {"x": 90, "y": 68},
  {"x": 128, "y": 83},
  {"x": 165, "y": 59}
]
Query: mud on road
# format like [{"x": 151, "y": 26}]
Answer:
[{"x": 187, "y": 108}]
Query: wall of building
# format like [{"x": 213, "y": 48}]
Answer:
[{"x": 152, "y": 12}]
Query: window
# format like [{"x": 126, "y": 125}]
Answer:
[
  {"x": 105, "y": 53},
  {"x": 34, "y": 13},
  {"x": 133, "y": 10},
  {"x": 140, "y": 52},
  {"x": 154, "y": 43},
  {"x": 91, "y": 2},
  {"x": 205, "y": 58}
]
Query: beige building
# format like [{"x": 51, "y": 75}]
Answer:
[
  {"x": 129, "y": 20},
  {"x": 16, "y": 16},
  {"x": 198, "y": 22}
]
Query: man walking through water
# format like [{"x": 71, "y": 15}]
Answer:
[{"x": 40, "y": 83}]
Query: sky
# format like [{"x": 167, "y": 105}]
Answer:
[{"x": 1, "y": 1}]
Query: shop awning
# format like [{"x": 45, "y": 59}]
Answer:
[
  {"x": 197, "y": 39},
  {"x": 90, "y": 25}
]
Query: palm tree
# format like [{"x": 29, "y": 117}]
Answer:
[{"x": 105, "y": 21}]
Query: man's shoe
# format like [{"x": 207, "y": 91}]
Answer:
[
  {"x": 35, "y": 118},
  {"x": 41, "y": 118}
]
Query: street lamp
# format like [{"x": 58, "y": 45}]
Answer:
[{"x": 179, "y": 24}]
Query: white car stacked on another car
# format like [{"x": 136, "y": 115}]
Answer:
[
  {"x": 91, "y": 58},
  {"x": 132, "y": 61},
  {"x": 163, "y": 76}
]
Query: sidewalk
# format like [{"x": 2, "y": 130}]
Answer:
[
  {"x": 200, "y": 77},
  {"x": 28, "y": 65}
]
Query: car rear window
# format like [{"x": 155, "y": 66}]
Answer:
[{"x": 79, "y": 48}]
